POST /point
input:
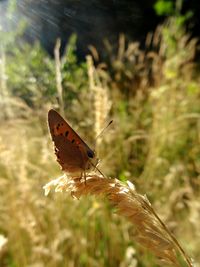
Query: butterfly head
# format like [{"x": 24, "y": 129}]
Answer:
[
  {"x": 93, "y": 160},
  {"x": 91, "y": 154}
]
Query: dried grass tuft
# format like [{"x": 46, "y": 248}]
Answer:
[
  {"x": 151, "y": 232},
  {"x": 101, "y": 101}
]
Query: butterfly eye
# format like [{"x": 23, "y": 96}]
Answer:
[{"x": 90, "y": 154}]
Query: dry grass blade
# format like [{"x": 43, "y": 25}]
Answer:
[
  {"x": 59, "y": 75},
  {"x": 151, "y": 231}
]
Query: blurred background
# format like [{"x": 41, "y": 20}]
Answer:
[{"x": 136, "y": 62}]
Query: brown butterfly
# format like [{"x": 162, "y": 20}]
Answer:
[{"x": 73, "y": 154}]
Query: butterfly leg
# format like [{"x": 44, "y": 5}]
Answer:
[{"x": 85, "y": 177}]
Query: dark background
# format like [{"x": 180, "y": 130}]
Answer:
[{"x": 94, "y": 21}]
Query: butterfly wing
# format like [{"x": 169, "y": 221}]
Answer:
[{"x": 71, "y": 151}]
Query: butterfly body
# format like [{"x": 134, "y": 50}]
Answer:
[{"x": 73, "y": 154}]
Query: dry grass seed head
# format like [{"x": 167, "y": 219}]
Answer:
[{"x": 151, "y": 231}]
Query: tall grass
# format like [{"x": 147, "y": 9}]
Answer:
[{"x": 153, "y": 97}]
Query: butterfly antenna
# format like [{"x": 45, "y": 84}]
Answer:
[
  {"x": 99, "y": 135},
  {"x": 103, "y": 130},
  {"x": 97, "y": 169},
  {"x": 100, "y": 172}
]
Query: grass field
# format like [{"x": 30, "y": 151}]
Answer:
[{"x": 153, "y": 98}]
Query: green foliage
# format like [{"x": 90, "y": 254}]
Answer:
[
  {"x": 37, "y": 70},
  {"x": 74, "y": 73},
  {"x": 164, "y": 7},
  {"x": 173, "y": 9}
]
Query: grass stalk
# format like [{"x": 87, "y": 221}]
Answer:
[{"x": 59, "y": 75}]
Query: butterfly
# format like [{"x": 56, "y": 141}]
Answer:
[{"x": 73, "y": 154}]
